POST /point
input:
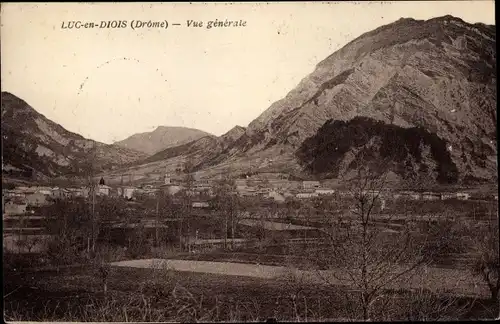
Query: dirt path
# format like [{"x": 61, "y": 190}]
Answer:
[
  {"x": 220, "y": 268},
  {"x": 435, "y": 279}
]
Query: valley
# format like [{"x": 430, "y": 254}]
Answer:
[{"x": 368, "y": 192}]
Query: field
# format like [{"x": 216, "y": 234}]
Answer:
[
  {"x": 162, "y": 295},
  {"x": 431, "y": 278}
]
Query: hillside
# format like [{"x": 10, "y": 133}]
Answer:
[
  {"x": 161, "y": 138},
  {"x": 439, "y": 75},
  {"x": 411, "y": 153},
  {"x": 36, "y": 147},
  {"x": 434, "y": 80}
]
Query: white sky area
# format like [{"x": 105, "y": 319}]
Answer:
[{"x": 210, "y": 79}]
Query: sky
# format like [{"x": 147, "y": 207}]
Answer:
[{"x": 107, "y": 84}]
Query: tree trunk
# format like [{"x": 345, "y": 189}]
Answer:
[
  {"x": 225, "y": 231},
  {"x": 180, "y": 235},
  {"x": 366, "y": 314},
  {"x": 93, "y": 218},
  {"x": 364, "y": 265},
  {"x": 156, "y": 221},
  {"x": 188, "y": 237},
  {"x": 494, "y": 294},
  {"x": 494, "y": 289},
  {"x": 232, "y": 232}
]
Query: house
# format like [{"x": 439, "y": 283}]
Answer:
[
  {"x": 201, "y": 204},
  {"x": 325, "y": 191},
  {"x": 58, "y": 193},
  {"x": 431, "y": 196},
  {"x": 85, "y": 191},
  {"x": 128, "y": 192},
  {"x": 414, "y": 196},
  {"x": 346, "y": 194},
  {"x": 171, "y": 189},
  {"x": 280, "y": 183},
  {"x": 305, "y": 195},
  {"x": 75, "y": 192},
  {"x": 36, "y": 199},
  {"x": 14, "y": 193},
  {"x": 276, "y": 196},
  {"x": 103, "y": 190},
  {"x": 15, "y": 207},
  {"x": 382, "y": 204},
  {"x": 371, "y": 193},
  {"x": 202, "y": 183},
  {"x": 462, "y": 195},
  {"x": 150, "y": 192},
  {"x": 263, "y": 191},
  {"x": 310, "y": 184},
  {"x": 448, "y": 195},
  {"x": 44, "y": 190},
  {"x": 246, "y": 191},
  {"x": 410, "y": 195},
  {"x": 66, "y": 193}
]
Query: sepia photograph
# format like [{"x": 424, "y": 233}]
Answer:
[{"x": 249, "y": 162}]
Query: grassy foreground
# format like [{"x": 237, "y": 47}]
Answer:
[{"x": 75, "y": 294}]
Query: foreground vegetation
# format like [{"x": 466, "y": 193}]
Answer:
[
  {"x": 370, "y": 247},
  {"x": 75, "y": 294}
]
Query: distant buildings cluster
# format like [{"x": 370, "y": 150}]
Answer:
[
  {"x": 278, "y": 190},
  {"x": 16, "y": 201}
]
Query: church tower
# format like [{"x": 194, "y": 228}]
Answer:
[{"x": 167, "y": 177}]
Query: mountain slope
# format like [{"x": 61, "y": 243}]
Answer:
[
  {"x": 438, "y": 74},
  {"x": 31, "y": 142},
  {"x": 434, "y": 80},
  {"x": 161, "y": 138}
]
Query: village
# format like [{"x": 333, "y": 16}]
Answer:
[
  {"x": 20, "y": 199},
  {"x": 275, "y": 205}
]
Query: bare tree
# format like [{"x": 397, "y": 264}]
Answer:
[
  {"x": 424, "y": 305},
  {"x": 486, "y": 242},
  {"x": 89, "y": 168},
  {"x": 69, "y": 229},
  {"x": 226, "y": 203},
  {"x": 188, "y": 203},
  {"x": 363, "y": 255}
]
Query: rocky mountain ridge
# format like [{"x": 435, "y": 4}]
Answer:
[
  {"x": 438, "y": 74},
  {"x": 428, "y": 87},
  {"x": 35, "y": 147}
]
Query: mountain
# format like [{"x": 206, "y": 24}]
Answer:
[
  {"x": 208, "y": 150},
  {"x": 34, "y": 146},
  {"x": 428, "y": 87},
  {"x": 161, "y": 138},
  {"x": 437, "y": 75}
]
